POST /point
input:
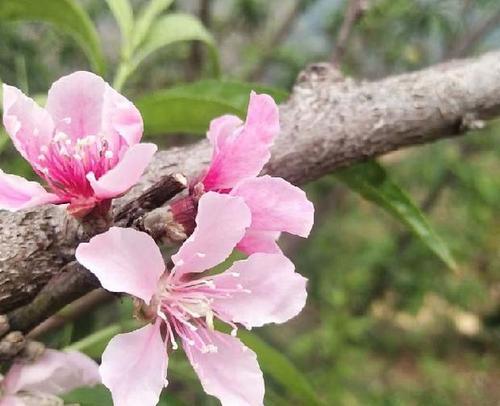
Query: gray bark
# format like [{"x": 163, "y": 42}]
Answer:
[{"x": 329, "y": 122}]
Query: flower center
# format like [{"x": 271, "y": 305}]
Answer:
[
  {"x": 187, "y": 310},
  {"x": 65, "y": 162}
]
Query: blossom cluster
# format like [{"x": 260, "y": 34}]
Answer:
[{"x": 85, "y": 145}]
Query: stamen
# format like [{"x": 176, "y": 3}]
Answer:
[{"x": 60, "y": 136}]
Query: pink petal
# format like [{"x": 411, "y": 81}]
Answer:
[
  {"x": 29, "y": 125},
  {"x": 243, "y": 154},
  {"x": 124, "y": 260},
  {"x": 121, "y": 116},
  {"x": 220, "y": 129},
  {"x": 276, "y": 205},
  {"x": 134, "y": 367},
  {"x": 17, "y": 193},
  {"x": 125, "y": 174},
  {"x": 259, "y": 241},
  {"x": 55, "y": 372},
  {"x": 221, "y": 222},
  {"x": 75, "y": 103},
  {"x": 231, "y": 374},
  {"x": 83, "y": 104},
  {"x": 270, "y": 291}
]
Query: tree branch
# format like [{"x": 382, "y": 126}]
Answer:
[{"x": 329, "y": 122}]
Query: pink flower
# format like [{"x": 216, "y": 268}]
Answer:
[
  {"x": 240, "y": 152},
  {"x": 183, "y": 304},
  {"x": 84, "y": 144},
  {"x": 54, "y": 373}
]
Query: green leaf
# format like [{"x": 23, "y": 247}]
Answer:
[
  {"x": 100, "y": 396},
  {"x": 4, "y": 140},
  {"x": 94, "y": 344},
  {"x": 124, "y": 16},
  {"x": 189, "y": 108},
  {"x": 97, "y": 396},
  {"x": 66, "y": 15},
  {"x": 276, "y": 365},
  {"x": 169, "y": 30},
  {"x": 146, "y": 18},
  {"x": 373, "y": 182}
]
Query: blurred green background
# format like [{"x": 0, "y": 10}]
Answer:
[{"x": 387, "y": 322}]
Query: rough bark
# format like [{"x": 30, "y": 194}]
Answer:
[{"x": 329, "y": 122}]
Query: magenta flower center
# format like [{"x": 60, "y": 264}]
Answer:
[{"x": 65, "y": 162}]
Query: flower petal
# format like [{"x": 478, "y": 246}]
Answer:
[
  {"x": 84, "y": 104},
  {"x": 231, "y": 374},
  {"x": 124, "y": 260},
  {"x": 29, "y": 125},
  {"x": 243, "y": 154},
  {"x": 270, "y": 291},
  {"x": 276, "y": 205},
  {"x": 17, "y": 193},
  {"x": 134, "y": 367},
  {"x": 259, "y": 241},
  {"x": 125, "y": 174},
  {"x": 221, "y": 128},
  {"x": 75, "y": 103},
  {"x": 55, "y": 372},
  {"x": 221, "y": 222},
  {"x": 121, "y": 116}
]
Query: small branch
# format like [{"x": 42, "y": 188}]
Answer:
[
  {"x": 355, "y": 9},
  {"x": 269, "y": 46},
  {"x": 72, "y": 312},
  {"x": 465, "y": 45},
  {"x": 73, "y": 282},
  {"x": 157, "y": 195}
]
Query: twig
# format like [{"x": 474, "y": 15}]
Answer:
[
  {"x": 72, "y": 312},
  {"x": 73, "y": 282},
  {"x": 355, "y": 9},
  {"x": 158, "y": 194},
  {"x": 472, "y": 38},
  {"x": 269, "y": 46}
]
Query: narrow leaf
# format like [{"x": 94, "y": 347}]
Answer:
[
  {"x": 96, "y": 396},
  {"x": 373, "y": 182},
  {"x": 94, "y": 344},
  {"x": 168, "y": 30},
  {"x": 66, "y": 15},
  {"x": 189, "y": 108},
  {"x": 124, "y": 16},
  {"x": 276, "y": 365},
  {"x": 146, "y": 18}
]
